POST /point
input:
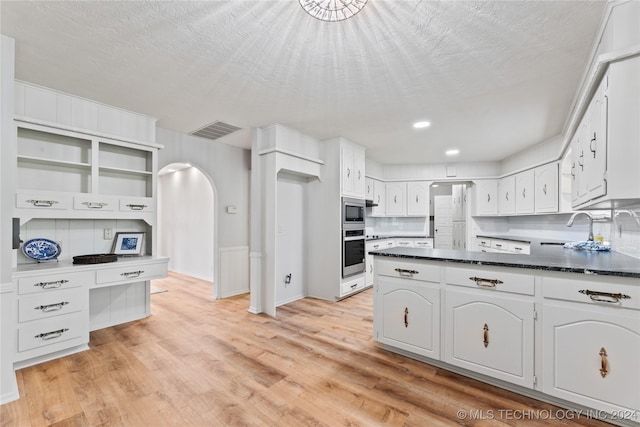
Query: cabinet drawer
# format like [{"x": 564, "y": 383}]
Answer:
[
  {"x": 595, "y": 292},
  {"x": 500, "y": 245},
  {"x": 376, "y": 246},
  {"x": 519, "y": 248},
  {"x": 49, "y": 282},
  {"x": 141, "y": 204},
  {"x": 43, "y": 201},
  {"x": 51, "y": 331},
  {"x": 404, "y": 243},
  {"x": 408, "y": 270},
  {"x": 423, "y": 243},
  {"x": 96, "y": 203},
  {"x": 352, "y": 286},
  {"x": 49, "y": 304},
  {"x": 481, "y": 278},
  {"x": 484, "y": 243},
  {"x": 131, "y": 273}
]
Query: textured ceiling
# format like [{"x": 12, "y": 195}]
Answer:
[{"x": 493, "y": 77}]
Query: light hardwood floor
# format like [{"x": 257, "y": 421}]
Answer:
[{"x": 200, "y": 362}]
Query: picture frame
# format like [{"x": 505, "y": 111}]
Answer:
[{"x": 129, "y": 243}]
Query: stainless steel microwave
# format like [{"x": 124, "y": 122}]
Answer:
[{"x": 352, "y": 213}]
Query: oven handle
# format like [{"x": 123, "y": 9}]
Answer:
[{"x": 354, "y": 238}]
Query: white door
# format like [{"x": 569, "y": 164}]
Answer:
[
  {"x": 290, "y": 242},
  {"x": 443, "y": 222}
]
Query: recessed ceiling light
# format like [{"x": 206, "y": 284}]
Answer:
[
  {"x": 421, "y": 125},
  {"x": 452, "y": 152},
  {"x": 435, "y": 185}
]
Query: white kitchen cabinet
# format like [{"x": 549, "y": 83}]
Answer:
[
  {"x": 374, "y": 245},
  {"x": 423, "y": 243},
  {"x": 353, "y": 178},
  {"x": 403, "y": 242},
  {"x": 368, "y": 191},
  {"x": 490, "y": 334},
  {"x": 486, "y": 197},
  {"x": 407, "y": 307},
  {"x": 546, "y": 188},
  {"x": 418, "y": 198},
  {"x": 525, "y": 192},
  {"x": 379, "y": 198},
  {"x": 459, "y": 202},
  {"x": 507, "y": 196},
  {"x": 591, "y": 336},
  {"x": 396, "y": 200},
  {"x": 459, "y": 236},
  {"x": 605, "y": 149}
]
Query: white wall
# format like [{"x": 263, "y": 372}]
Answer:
[
  {"x": 185, "y": 222},
  {"x": 229, "y": 169}
]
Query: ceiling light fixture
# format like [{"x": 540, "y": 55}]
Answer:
[
  {"x": 421, "y": 125},
  {"x": 452, "y": 152},
  {"x": 332, "y": 10}
]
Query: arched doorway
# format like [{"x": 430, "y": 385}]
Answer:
[{"x": 186, "y": 221}]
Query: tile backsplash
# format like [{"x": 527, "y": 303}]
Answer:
[{"x": 625, "y": 232}]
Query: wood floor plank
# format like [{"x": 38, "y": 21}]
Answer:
[{"x": 203, "y": 362}]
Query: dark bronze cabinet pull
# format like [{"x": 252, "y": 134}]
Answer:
[
  {"x": 607, "y": 297},
  {"x": 491, "y": 282},
  {"x": 406, "y": 273},
  {"x": 406, "y": 317},
  {"x": 593, "y": 150},
  {"x": 603, "y": 362},
  {"x": 95, "y": 205},
  {"x": 136, "y": 207},
  {"x": 485, "y": 335},
  {"x": 129, "y": 274}
]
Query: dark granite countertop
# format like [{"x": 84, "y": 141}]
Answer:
[
  {"x": 505, "y": 237},
  {"x": 371, "y": 239},
  {"x": 552, "y": 258}
]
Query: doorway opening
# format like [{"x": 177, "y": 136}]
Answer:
[{"x": 186, "y": 221}]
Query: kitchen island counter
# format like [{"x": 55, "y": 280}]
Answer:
[{"x": 551, "y": 258}]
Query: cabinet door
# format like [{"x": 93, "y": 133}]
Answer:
[
  {"x": 359, "y": 187},
  {"x": 368, "y": 191},
  {"x": 347, "y": 171},
  {"x": 591, "y": 356},
  {"x": 525, "y": 192},
  {"x": 487, "y": 197},
  {"x": 409, "y": 316},
  {"x": 379, "y": 198},
  {"x": 396, "y": 199},
  {"x": 595, "y": 153},
  {"x": 418, "y": 199},
  {"x": 491, "y": 335},
  {"x": 506, "y": 191},
  {"x": 546, "y": 185}
]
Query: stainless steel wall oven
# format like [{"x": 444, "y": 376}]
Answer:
[{"x": 353, "y": 253}]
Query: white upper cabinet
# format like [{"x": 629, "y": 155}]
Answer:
[
  {"x": 353, "y": 163},
  {"x": 396, "y": 199},
  {"x": 418, "y": 198},
  {"x": 525, "y": 192},
  {"x": 606, "y": 145},
  {"x": 368, "y": 191},
  {"x": 546, "y": 186},
  {"x": 486, "y": 197},
  {"x": 506, "y": 191},
  {"x": 459, "y": 202},
  {"x": 379, "y": 198}
]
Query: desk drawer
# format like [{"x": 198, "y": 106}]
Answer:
[
  {"x": 131, "y": 273},
  {"x": 50, "y": 304},
  {"x": 51, "y": 331},
  {"x": 50, "y": 282}
]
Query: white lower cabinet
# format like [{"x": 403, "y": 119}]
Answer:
[
  {"x": 591, "y": 337},
  {"x": 410, "y": 316},
  {"x": 491, "y": 335},
  {"x": 574, "y": 337}
]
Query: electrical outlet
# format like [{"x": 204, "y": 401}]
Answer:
[{"x": 108, "y": 233}]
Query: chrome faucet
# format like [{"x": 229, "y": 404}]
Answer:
[{"x": 573, "y": 217}]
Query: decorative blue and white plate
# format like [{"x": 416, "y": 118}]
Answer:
[{"x": 41, "y": 249}]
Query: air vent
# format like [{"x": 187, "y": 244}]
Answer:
[{"x": 215, "y": 130}]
